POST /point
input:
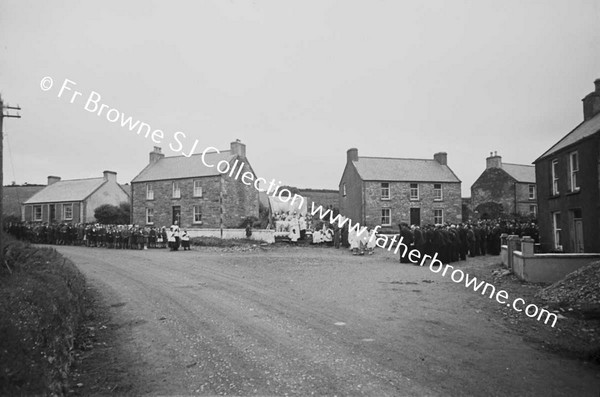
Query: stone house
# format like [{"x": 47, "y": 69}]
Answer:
[
  {"x": 387, "y": 191},
  {"x": 73, "y": 201},
  {"x": 568, "y": 177},
  {"x": 512, "y": 186},
  {"x": 186, "y": 190},
  {"x": 13, "y": 196}
]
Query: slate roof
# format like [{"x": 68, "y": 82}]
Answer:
[
  {"x": 68, "y": 190},
  {"x": 583, "y": 130},
  {"x": 178, "y": 167},
  {"x": 522, "y": 173},
  {"x": 405, "y": 170}
]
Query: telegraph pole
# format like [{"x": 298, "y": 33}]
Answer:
[{"x": 2, "y": 116}]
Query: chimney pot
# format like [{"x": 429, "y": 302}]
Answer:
[
  {"x": 238, "y": 148},
  {"x": 156, "y": 154},
  {"x": 110, "y": 175},
  {"x": 352, "y": 154},
  {"x": 441, "y": 157},
  {"x": 494, "y": 161},
  {"x": 591, "y": 102},
  {"x": 53, "y": 179}
]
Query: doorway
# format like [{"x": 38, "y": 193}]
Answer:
[
  {"x": 52, "y": 215},
  {"x": 415, "y": 216},
  {"x": 176, "y": 215}
]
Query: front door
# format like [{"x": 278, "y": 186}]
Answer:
[
  {"x": 177, "y": 214},
  {"x": 52, "y": 211},
  {"x": 415, "y": 216},
  {"x": 578, "y": 235}
]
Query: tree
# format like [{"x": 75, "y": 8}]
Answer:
[{"x": 109, "y": 214}]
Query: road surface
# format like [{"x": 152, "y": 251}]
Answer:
[{"x": 313, "y": 321}]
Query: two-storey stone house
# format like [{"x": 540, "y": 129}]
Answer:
[
  {"x": 388, "y": 191},
  {"x": 187, "y": 190},
  {"x": 568, "y": 179},
  {"x": 509, "y": 187}
]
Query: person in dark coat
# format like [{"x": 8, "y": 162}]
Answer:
[{"x": 407, "y": 239}]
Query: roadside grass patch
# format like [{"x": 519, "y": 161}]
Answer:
[
  {"x": 225, "y": 242},
  {"x": 41, "y": 304}
]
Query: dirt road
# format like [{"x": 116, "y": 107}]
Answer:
[{"x": 302, "y": 321}]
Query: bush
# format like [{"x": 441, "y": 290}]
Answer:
[
  {"x": 113, "y": 215},
  {"x": 41, "y": 305}
]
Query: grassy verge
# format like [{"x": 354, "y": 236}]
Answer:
[
  {"x": 41, "y": 304},
  {"x": 226, "y": 242}
]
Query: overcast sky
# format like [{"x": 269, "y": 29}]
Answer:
[{"x": 299, "y": 82}]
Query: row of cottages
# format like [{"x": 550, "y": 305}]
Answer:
[
  {"x": 504, "y": 189},
  {"x": 568, "y": 178},
  {"x": 192, "y": 191},
  {"x": 388, "y": 191},
  {"x": 74, "y": 200}
]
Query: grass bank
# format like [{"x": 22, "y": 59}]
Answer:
[{"x": 41, "y": 305}]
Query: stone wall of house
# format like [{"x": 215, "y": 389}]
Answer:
[
  {"x": 400, "y": 203},
  {"x": 494, "y": 185},
  {"x": 239, "y": 199},
  {"x": 164, "y": 202}
]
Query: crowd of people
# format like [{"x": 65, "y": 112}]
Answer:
[{"x": 99, "y": 235}]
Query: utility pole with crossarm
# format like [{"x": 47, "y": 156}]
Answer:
[{"x": 2, "y": 116}]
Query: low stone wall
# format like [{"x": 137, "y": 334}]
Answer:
[
  {"x": 548, "y": 268},
  {"x": 257, "y": 234}
]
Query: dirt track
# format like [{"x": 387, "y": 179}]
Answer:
[{"x": 302, "y": 321}]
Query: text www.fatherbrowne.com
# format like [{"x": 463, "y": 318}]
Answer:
[{"x": 436, "y": 266}]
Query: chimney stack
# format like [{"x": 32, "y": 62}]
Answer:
[
  {"x": 110, "y": 176},
  {"x": 441, "y": 157},
  {"x": 591, "y": 102},
  {"x": 352, "y": 154},
  {"x": 494, "y": 161},
  {"x": 238, "y": 148},
  {"x": 53, "y": 179},
  {"x": 156, "y": 155}
]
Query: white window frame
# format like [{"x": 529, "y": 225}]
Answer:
[
  {"x": 411, "y": 189},
  {"x": 197, "y": 188},
  {"x": 196, "y": 210},
  {"x": 556, "y": 229},
  {"x": 435, "y": 190},
  {"x": 440, "y": 216},
  {"x": 573, "y": 171},
  {"x": 149, "y": 216},
  {"x": 534, "y": 208},
  {"x": 64, "y": 212},
  {"x": 554, "y": 172},
  {"x": 176, "y": 190},
  {"x": 385, "y": 189},
  {"x": 532, "y": 191},
  {"x": 389, "y": 216},
  {"x": 149, "y": 191},
  {"x": 33, "y": 213}
]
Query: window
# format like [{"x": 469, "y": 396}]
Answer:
[
  {"x": 437, "y": 191},
  {"x": 573, "y": 171},
  {"x": 197, "y": 214},
  {"x": 414, "y": 191},
  {"x": 533, "y": 210},
  {"x": 344, "y": 189},
  {"x": 556, "y": 229},
  {"x": 385, "y": 191},
  {"x": 532, "y": 192},
  {"x": 438, "y": 216},
  {"x": 67, "y": 212},
  {"x": 149, "y": 216},
  {"x": 386, "y": 217},
  {"x": 176, "y": 190},
  {"x": 554, "y": 177},
  {"x": 149, "y": 192},
  {"x": 197, "y": 189},
  {"x": 37, "y": 212}
]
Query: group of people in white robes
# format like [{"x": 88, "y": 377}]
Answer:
[
  {"x": 293, "y": 224},
  {"x": 175, "y": 238},
  {"x": 362, "y": 242}
]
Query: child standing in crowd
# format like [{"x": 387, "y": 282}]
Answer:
[{"x": 185, "y": 240}]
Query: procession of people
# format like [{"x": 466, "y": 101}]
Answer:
[{"x": 99, "y": 235}]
